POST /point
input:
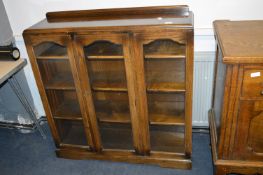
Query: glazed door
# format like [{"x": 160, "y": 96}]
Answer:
[
  {"x": 168, "y": 76},
  {"x": 55, "y": 71},
  {"x": 108, "y": 83}
]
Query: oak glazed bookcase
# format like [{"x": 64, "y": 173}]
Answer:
[
  {"x": 236, "y": 117},
  {"x": 116, "y": 84}
]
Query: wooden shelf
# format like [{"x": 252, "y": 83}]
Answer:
[
  {"x": 61, "y": 82},
  {"x": 164, "y": 119},
  {"x": 155, "y": 119},
  {"x": 166, "y": 87},
  {"x": 163, "y": 56},
  {"x": 119, "y": 87},
  {"x": 53, "y": 52},
  {"x": 68, "y": 110},
  {"x": 167, "y": 139},
  {"x": 105, "y": 57},
  {"x": 114, "y": 117}
]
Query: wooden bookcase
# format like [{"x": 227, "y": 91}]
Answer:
[
  {"x": 117, "y": 87},
  {"x": 236, "y": 117}
]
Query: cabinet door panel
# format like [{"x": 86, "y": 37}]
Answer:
[
  {"x": 102, "y": 62},
  {"x": 53, "y": 64},
  {"x": 249, "y": 141},
  {"x": 165, "y": 57}
]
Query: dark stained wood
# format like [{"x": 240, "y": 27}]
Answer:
[
  {"x": 236, "y": 116},
  {"x": 87, "y": 95},
  {"x": 223, "y": 167},
  {"x": 165, "y": 74},
  {"x": 249, "y": 139},
  {"x": 164, "y": 49},
  {"x": 68, "y": 110},
  {"x": 252, "y": 78},
  {"x": 189, "y": 64},
  {"x": 71, "y": 132},
  {"x": 166, "y": 119},
  {"x": 117, "y": 87},
  {"x": 166, "y": 108},
  {"x": 119, "y": 13},
  {"x": 61, "y": 81},
  {"x": 107, "y": 73},
  {"x": 166, "y": 87},
  {"x": 156, "y": 158},
  {"x": 102, "y": 86},
  {"x": 116, "y": 136},
  {"x": 52, "y": 51},
  {"x": 116, "y": 117},
  {"x": 172, "y": 136},
  {"x": 105, "y": 57},
  {"x": 137, "y": 87},
  {"x": 104, "y": 50},
  {"x": 31, "y": 42},
  {"x": 155, "y": 119}
]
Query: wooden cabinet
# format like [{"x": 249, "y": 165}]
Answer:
[
  {"x": 236, "y": 119},
  {"x": 117, "y": 87}
]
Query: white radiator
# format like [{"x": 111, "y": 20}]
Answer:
[{"x": 203, "y": 87}]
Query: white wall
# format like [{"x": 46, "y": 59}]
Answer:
[
  {"x": 6, "y": 36},
  {"x": 24, "y": 13}
]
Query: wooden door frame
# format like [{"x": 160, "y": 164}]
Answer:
[
  {"x": 181, "y": 36},
  {"x": 65, "y": 41}
]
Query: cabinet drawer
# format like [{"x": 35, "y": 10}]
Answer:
[{"x": 253, "y": 83}]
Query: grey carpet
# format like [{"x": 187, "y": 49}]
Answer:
[{"x": 30, "y": 154}]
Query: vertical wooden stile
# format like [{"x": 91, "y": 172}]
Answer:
[
  {"x": 188, "y": 93},
  {"x": 134, "y": 66},
  {"x": 90, "y": 120}
]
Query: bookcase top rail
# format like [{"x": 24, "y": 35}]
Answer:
[{"x": 178, "y": 11}]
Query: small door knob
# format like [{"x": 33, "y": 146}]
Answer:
[{"x": 261, "y": 92}]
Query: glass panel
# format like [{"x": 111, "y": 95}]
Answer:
[
  {"x": 64, "y": 104},
  {"x": 166, "y": 109},
  {"x": 107, "y": 75},
  {"x": 116, "y": 136},
  {"x": 103, "y": 50},
  {"x": 165, "y": 82},
  {"x": 55, "y": 71},
  {"x": 105, "y": 63},
  {"x": 56, "y": 74},
  {"x": 71, "y": 132},
  {"x": 165, "y": 66},
  {"x": 50, "y": 50},
  {"x": 167, "y": 138},
  {"x": 164, "y": 49},
  {"x": 164, "y": 75},
  {"x": 54, "y": 66},
  {"x": 112, "y": 107}
]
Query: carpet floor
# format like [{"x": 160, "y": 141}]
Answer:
[{"x": 30, "y": 154}]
